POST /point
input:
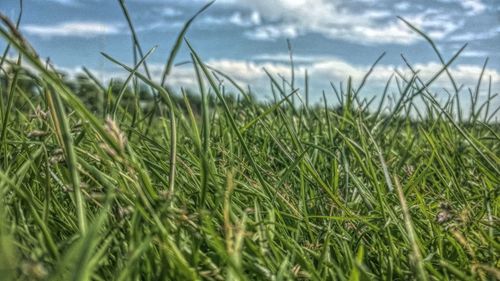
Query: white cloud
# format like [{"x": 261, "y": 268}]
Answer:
[
  {"x": 285, "y": 58},
  {"x": 472, "y": 7},
  {"x": 291, "y": 18},
  {"x": 170, "y": 12},
  {"x": 73, "y": 29},
  {"x": 473, "y": 36},
  {"x": 474, "y": 54},
  {"x": 237, "y": 18},
  {"x": 402, "y": 6},
  {"x": 367, "y": 34},
  {"x": 272, "y": 32},
  {"x": 323, "y": 69},
  {"x": 161, "y": 25},
  {"x": 63, "y": 2}
]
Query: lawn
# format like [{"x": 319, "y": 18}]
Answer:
[{"x": 136, "y": 181}]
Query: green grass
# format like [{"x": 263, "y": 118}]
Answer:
[{"x": 224, "y": 188}]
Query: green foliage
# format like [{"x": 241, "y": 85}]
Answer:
[{"x": 131, "y": 182}]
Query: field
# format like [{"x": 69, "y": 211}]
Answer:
[{"x": 134, "y": 181}]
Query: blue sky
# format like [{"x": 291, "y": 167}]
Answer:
[{"x": 332, "y": 39}]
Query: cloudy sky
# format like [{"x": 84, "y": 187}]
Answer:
[{"x": 332, "y": 39}]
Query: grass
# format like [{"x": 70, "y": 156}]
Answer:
[{"x": 226, "y": 188}]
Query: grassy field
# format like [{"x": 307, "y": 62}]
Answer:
[{"x": 222, "y": 188}]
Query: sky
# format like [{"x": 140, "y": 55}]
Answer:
[{"x": 331, "y": 39}]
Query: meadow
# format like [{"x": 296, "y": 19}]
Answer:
[{"x": 132, "y": 180}]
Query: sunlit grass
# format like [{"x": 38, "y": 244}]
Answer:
[{"x": 236, "y": 189}]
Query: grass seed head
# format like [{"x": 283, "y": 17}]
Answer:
[
  {"x": 37, "y": 134},
  {"x": 117, "y": 135},
  {"x": 39, "y": 113}
]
